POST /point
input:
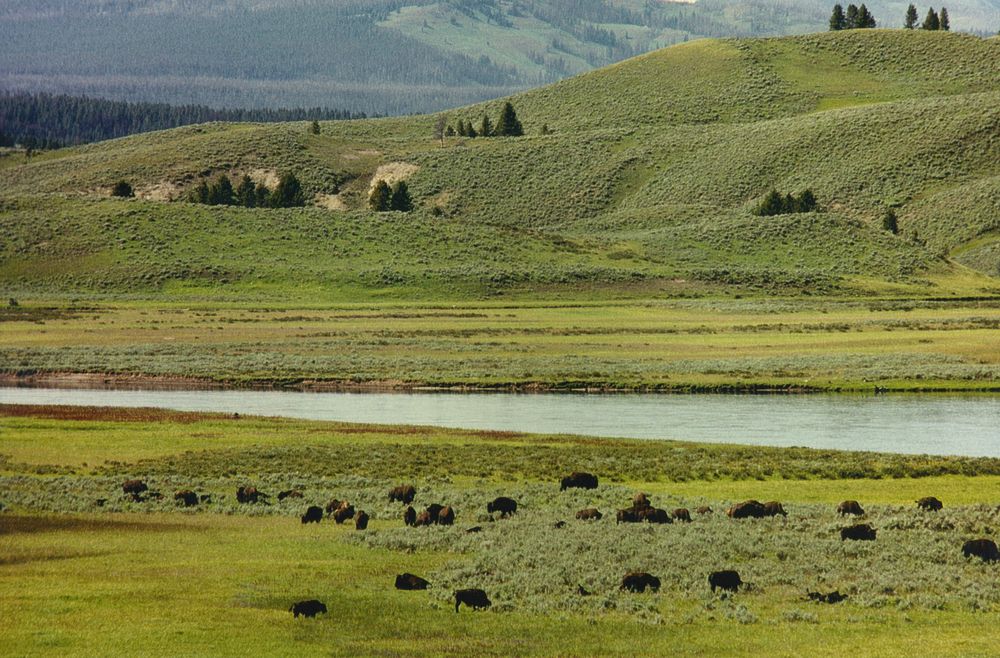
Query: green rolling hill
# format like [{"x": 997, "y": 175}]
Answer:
[{"x": 644, "y": 185}]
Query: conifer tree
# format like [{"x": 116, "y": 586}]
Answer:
[
  {"x": 461, "y": 129},
  {"x": 201, "y": 193},
  {"x": 470, "y": 131},
  {"x": 945, "y": 22},
  {"x": 486, "y": 128},
  {"x": 380, "y": 197},
  {"x": 122, "y": 189},
  {"x": 263, "y": 196},
  {"x": 508, "y": 124},
  {"x": 221, "y": 192},
  {"x": 400, "y": 200},
  {"x": 314, "y": 128},
  {"x": 246, "y": 192},
  {"x": 773, "y": 204},
  {"x": 806, "y": 202},
  {"x": 288, "y": 193},
  {"x": 837, "y": 19},
  {"x": 852, "y": 17},
  {"x": 931, "y": 22},
  {"x": 865, "y": 18},
  {"x": 889, "y": 222},
  {"x": 911, "y": 18},
  {"x": 449, "y": 131}
]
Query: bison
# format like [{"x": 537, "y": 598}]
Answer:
[
  {"x": 506, "y": 506},
  {"x": 309, "y": 608},
  {"x": 424, "y": 518},
  {"x": 332, "y": 506},
  {"x": 831, "y": 597},
  {"x": 404, "y": 493},
  {"x": 930, "y": 504},
  {"x": 410, "y": 516},
  {"x": 638, "y": 581},
  {"x": 627, "y": 516},
  {"x": 747, "y": 509},
  {"x": 654, "y": 515},
  {"x": 344, "y": 512},
  {"x": 850, "y": 507},
  {"x": 681, "y": 514},
  {"x": 589, "y": 514},
  {"x": 446, "y": 516},
  {"x": 578, "y": 481},
  {"x": 704, "y": 509},
  {"x": 291, "y": 493},
  {"x": 774, "y": 508},
  {"x": 981, "y": 548},
  {"x": 473, "y": 598},
  {"x": 434, "y": 510},
  {"x": 187, "y": 497},
  {"x": 249, "y": 494},
  {"x": 314, "y": 514},
  {"x": 134, "y": 488},
  {"x": 727, "y": 580},
  {"x": 640, "y": 500},
  {"x": 409, "y": 582},
  {"x": 361, "y": 521},
  {"x": 858, "y": 532}
]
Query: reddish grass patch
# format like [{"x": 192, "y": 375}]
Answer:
[{"x": 110, "y": 414}]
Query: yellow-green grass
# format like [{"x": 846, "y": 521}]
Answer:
[{"x": 681, "y": 344}]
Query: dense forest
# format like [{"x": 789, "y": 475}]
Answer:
[{"x": 49, "y": 121}]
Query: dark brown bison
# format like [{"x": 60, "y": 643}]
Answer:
[
  {"x": 410, "y": 516},
  {"x": 506, "y": 506},
  {"x": 559, "y": 524},
  {"x": 407, "y": 581},
  {"x": 344, "y": 512},
  {"x": 134, "y": 488},
  {"x": 473, "y": 598},
  {"x": 332, "y": 507},
  {"x": 748, "y": 509},
  {"x": 704, "y": 509},
  {"x": 774, "y": 508},
  {"x": 681, "y": 514},
  {"x": 981, "y": 548},
  {"x": 309, "y": 608},
  {"x": 189, "y": 498},
  {"x": 314, "y": 514},
  {"x": 446, "y": 516},
  {"x": 589, "y": 514},
  {"x": 727, "y": 580},
  {"x": 424, "y": 518},
  {"x": 361, "y": 521},
  {"x": 858, "y": 532},
  {"x": 850, "y": 507},
  {"x": 404, "y": 493},
  {"x": 578, "y": 481},
  {"x": 434, "y": 510},
  {"x": 154, "y": 495},
  {"x": 249, "y": 494},
  {"x": 831, "y": 597},
  {"x": 628, "y": 515},
  {"x": 640, "y": 500},
  {"x": 930, "y": 503},
  {"x": 291, "y": 493},
  {"x": 638, "y": 581},
  {"x": 654, "y": 515}
]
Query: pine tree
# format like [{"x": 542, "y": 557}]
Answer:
[
  {"x": 945, "y": 23},
  {"x": 221, "y": 192},
  {"x": 401, "y": 201},
  {"x": 931, "y": 22},
  {"x": 773, "y": 204},
  {"x": 122, "y": 189},
  {"x": 470, "y": 131},
  {"x": 380, "y": 197},
  {"x": 449, "y": 132},
  {"x": 865, "y": 18},
  {"x": 806, "y": 202},
  {"x": 889, "y": 222},
  {"x": 911, "y": 18},
  {"x": 486, "y": 128},
  {"x": 246, "y": 193},
  {"x": 263, "y": 196},
  {"x": 508, "y": 124},
  {"x": 201, "y": 193},
  {"x": 314, "y": 128},
  {"x": 288, "y": 193},
  {"x": 461, "y": 129},
  {"x": 852, "y": 17},
  {"x": 837, "y": 19}
]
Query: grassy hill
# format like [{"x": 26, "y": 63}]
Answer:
[{"x": 649, "y": 175}]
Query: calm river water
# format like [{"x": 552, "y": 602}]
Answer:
[{"x": 935, "y": 424}]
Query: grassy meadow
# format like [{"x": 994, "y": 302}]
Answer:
[{"x": 218, "y": 579}]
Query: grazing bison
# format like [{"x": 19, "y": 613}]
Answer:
[
  {"x": 774, "y": 508},
  {"x": 189, "y": 498},
  {"x": 446, "y": 516},
  {"x": 982, "y": 548},
  {"x": 589, "y": 514},
  {"x": 747, "y": 509},
  {"x": 410, "y": 516},
  {"x": 930, "y": 503},
  {"x": 473, "y": 598},
  {"x": 727, "y": 580},
  {"x": 134, "y": 488},
  {"x": 640, "y": 500},
  {"x": 858, "y": 532},
  {"x": 361, "y": 522},
  {"x": 434, "y": 510},
  {"x": 831, "y": 597},
  {"x": 578, "y": 481},
  {"x": 309, "y": 608},
  {"x": 409, "y": 582},
  {"x": 291, "y": 493},
  {"x": 506, "y": 506},
  {"x": 424, "y": 518},
  {"x": 250, "y": 495},
  {"x": 332, "y": 507},
  {"x": 344, "y": 512},
  {"x": 850, "y": 507},
  {"x": 681, "y": 514},
  {"x": 704, "y": 509},
  {"x": 654, "y": 515},
  {"x": 404, "y": 493},
  {"x": 638, "y": 581},
  {"x": 314, "y": 514},
  {"x": 627, "y": 516}
]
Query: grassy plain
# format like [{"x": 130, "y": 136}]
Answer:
[{"x": 80, "y": 579}]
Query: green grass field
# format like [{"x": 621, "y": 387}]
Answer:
[{"x": 154, "y": 578}]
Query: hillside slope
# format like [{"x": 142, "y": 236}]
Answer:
[{"x": 646, "y": 183}]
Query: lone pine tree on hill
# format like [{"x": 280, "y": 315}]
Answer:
[
  {"x": 911, "y": 18},
  {"x": 508, "y": 124}
]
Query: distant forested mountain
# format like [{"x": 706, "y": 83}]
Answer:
[
  {"x": 41, "y": 120},
  {"x": 373, "y": 56}
]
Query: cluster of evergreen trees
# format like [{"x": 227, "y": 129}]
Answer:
[
  {"x": 45, "y": 121},
  {"x": 855, "y": 18},
  {"x": 396, "y": 198},
  {"x": 220, "y": 192},
  {"x": 933, "y": 20},
  {"x": 776, "y": 203},
  {"x": 507, "y": 125}
]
